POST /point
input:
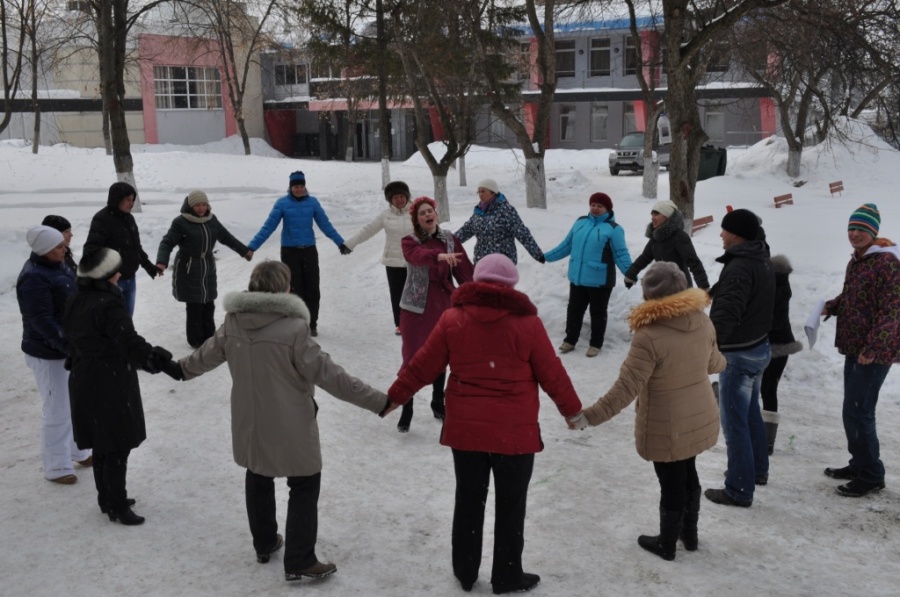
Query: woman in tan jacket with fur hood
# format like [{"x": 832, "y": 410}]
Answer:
[{"x": 672, "y": 354}]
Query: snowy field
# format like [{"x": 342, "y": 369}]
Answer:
[{"x": 387, "y": 498}]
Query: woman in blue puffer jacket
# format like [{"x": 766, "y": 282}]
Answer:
[{"x": 596, "y": 244}]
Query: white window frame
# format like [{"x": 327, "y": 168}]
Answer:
[
  {"x": 600, "y": 49},
  {"x": 567, "y": 122},
  {"x": 599, "y": 121},
  {"x": 287, "y": 75},
  {"x": 187, "y": 87},
  {"x": 564, "y": 52}
]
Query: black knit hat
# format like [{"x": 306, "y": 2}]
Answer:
[
  {"x": 100, "y": 264},
  {"x": 117, "y": 192},
  {"x": 58, "y": 222},
  {"x": 743, "y": 223},
  {"x": 397, "y": 187}
]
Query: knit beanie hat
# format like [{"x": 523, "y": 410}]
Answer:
[
  {"x": 117, "y": 192},
  {"x": 43, "y": 239},
  {"x": 497, "y": 268},
  {"x": 601, "y": 198},
  {"x": 58, "y": 222},
  {"x": 195, "y": 197},
  {"x": 489, "y": 184},
  {"x": 397, "y": 187},
  {"x": 866, "y": 218},
  {"x": 297, "y": 177},
  {"x": 662, "y": 279},
  {"x": 100, "y": 264},
  {"x": 664, "y": 208},
  {"x": 743, "y": 223}
]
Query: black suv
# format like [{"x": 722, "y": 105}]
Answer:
[{"x": 629, "y": 154}]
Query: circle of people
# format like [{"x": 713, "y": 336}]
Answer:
[{"x": 80, "y": 342}]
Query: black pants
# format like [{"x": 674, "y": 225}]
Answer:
[
  {"x": 768, "y": 389},
  {"x": 201, "y": 322},
  {"x": 676, "y": 481},
  {"x": 110, "y": 470},
  {"x": 580, "y": 297},
  {"x": 304, "y": 265},
  {"x": 302, "y": 527},
  {"x": 396, "y": 277},
  {"x": 512, "y": 474}
]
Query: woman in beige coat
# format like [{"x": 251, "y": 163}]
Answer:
[
  {"x": 275, "y": 366},
  {"x": 672, "y": 354}
]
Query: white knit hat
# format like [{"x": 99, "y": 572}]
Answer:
[
  {"x": 665, "y": 208},
  {"x": 195, "y": 197},
  {"x": 43, "y": 239},
  {"x": 489, "y": 184}
]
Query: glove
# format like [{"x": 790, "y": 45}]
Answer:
[
  {"x": 173, "y": 370},
  {"x": 345, "y": 250},
  {"x": 67, "y": 364},
  {"x": 578, "y": 422},
  {"x": 157, "y": 359},
  {"x": 542, "y": 259},
  {"x": 629, "y": 282}
]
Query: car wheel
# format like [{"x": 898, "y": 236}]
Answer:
[{"x": 614, "y": 171}]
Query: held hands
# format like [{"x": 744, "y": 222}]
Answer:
[
  {"x": 345, "y": 250},
  {"x": 249, "y": 255},
  {"x": 173, "y": 370},
  {"x": 388, "y": 408},
  {"x": 578, "y": 422},
  {"x": 157, "y": 359},
  {"x": 161, "y": 267},
  {"x": 451, "y": 259},
  {"x": 629, "y": 282},
  {"x": 152, "y": 270}
]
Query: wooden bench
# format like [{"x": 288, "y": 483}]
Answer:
[
  {"x": 701, "y": 223},
  {"x": 836, "y": 187},
  {"x": 781, "y": 200}
]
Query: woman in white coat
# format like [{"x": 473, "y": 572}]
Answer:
[{"x": 396, "y": 224}]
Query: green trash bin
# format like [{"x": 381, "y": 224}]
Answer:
[{"x": 712, "y": 162}]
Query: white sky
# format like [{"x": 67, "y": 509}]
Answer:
[{"x": 387, "y": 498}]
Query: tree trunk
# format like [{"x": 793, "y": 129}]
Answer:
[
  {"x": 384, "y": 114},
  {"x": 793, "y": 161},
  {"x": 462, "y": 171},
  {"x": 242, "y": 129},
  {"x": 651, "y": 178},
  {"x": 535, "y": 182},
  {"x": 107, "y": 137},
  {"x": 385, "y": 171},
  {"x": 440, "y": 196},
  {"x": 36, "y": 106}
]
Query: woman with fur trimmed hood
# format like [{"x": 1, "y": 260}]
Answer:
[
  {"x": 668, "y": 242},
  {"x": 667, "y": 370},
  {"x": 275, "y": 367}
]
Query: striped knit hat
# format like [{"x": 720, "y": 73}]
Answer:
[{"x": 866, "y": 218}]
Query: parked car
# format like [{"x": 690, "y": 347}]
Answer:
[{"x": 629, "y": 154}]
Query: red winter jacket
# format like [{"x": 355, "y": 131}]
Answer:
[{"x": 498, "y": 352}]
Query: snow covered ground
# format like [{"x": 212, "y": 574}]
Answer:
[{"x": 386, "y": 502}]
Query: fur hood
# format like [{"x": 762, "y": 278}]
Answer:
[
  {"x": 675, "y": 305},
  {"x": 283, "y": 304},
  {"x": 782, "y": 265},
  {"x": 673, "y": 224},
  {"x": 493, "y": 296}
]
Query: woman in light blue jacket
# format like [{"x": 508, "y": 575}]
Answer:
[{"x": 596, "y": 246}]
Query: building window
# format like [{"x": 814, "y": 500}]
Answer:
[
  {"x": 523, "y": 65},
  {"x": 628, "y": 121},
  {"x": 497, "y": 131},
  {"x": 565, "y": 58},
  {"x": 631, "y": 60},
  {"x": 567, "y": 123},
  {"x": 290, "y": 74},
  {"x": 600, "y": 57},
  {"x": 321, "y": 70},
  {"x": 719, "y": 59},
  {"x": 599, "y": 120},
  {"x": 187, "y": 87},
  {"x": 714, "y": 123}
]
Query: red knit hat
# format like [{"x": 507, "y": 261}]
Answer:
[{"x": 601, "y": 198}]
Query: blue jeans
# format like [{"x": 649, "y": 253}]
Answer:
[
  {"x": 742, "y": 424},
  {"x": 861, "y": 386},
  {"x": 129, "y": 291}
]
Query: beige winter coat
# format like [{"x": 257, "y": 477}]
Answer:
[
  {"x": 275, "y": 367},
  {"x": 672, "y": 354},
  {"x": 396, "y": 223}
]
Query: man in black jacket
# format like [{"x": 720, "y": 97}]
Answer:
[
  {"x": 743, "y": 301},
  {"x": 113, "y": 227}
]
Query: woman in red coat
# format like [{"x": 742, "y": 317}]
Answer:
[
  {"x": 434, "y": 258},
  {"x": 498, "y": 352}
]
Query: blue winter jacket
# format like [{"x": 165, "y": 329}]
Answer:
[
  {"x": 496, "y": 229},
  {"x": 42, "y": 290},
  {"x": 296, "y": 217},
  {"x": 596, "y": 244}
]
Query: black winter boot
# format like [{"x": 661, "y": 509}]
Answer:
[
  {"x": 689, "y": 521},
  {"x": 405, "y": 417},
  {"x": 437, "y": 405},
  {"x": 770, "y": 422},
  {"x": 663, "y": 544}
]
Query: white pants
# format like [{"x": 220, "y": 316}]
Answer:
[{"x": 58, "y": 449}]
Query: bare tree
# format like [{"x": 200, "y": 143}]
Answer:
[{"x": 12, "y": 45}]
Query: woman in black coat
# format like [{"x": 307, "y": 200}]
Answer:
[
  {"x": 668, "y": 242},
  {"x": 195, "y": 233},
  {"x": 105, "y": 352}
]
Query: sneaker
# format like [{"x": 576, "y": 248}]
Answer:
[
  {"x": 857, "y": 488},
  {"x": 263, "y": 556},
  {"x": 317, "y": 570},
  {"x": 87, "y": 462},
  {"x": 566, "y": 347},
  {"x": 719, "y": 496},
  {"x": 65, "y": 480},
  {"x": 844, "y": 474},
  {"x": 592, "y": 351},
  {"x": 525, "y": 584}
]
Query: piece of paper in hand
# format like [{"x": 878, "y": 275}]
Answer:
[{"x": 811, "y": 327}]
